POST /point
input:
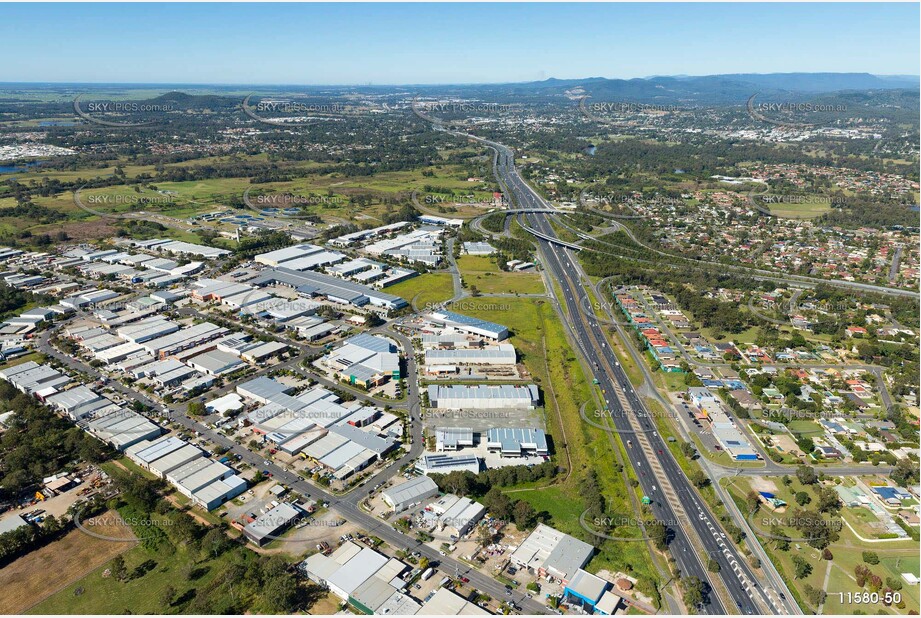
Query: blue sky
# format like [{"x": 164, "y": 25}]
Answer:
[{"x": 446, "y": 43}]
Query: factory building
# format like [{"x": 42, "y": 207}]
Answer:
[
  {"x": 460, "y": 397},
  {"x": 410, "y": 493},
  {"x": 467, "y": 324}
]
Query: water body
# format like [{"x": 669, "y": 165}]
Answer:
[{"x": 14, "y": 169}]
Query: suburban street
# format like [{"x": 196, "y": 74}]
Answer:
[{"x": 347, "y": 505}]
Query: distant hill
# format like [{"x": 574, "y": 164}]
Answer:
[
  {"x": 824, "y": 82},
  {"x": 708, "y": 89}
]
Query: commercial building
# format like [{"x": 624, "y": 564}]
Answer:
[
  {"x": 551, "y": 553},
  {"x": 175, "y": 459},
  {"x": 209, "y": 484},
  {"x": 262, "y": 389},
  {"x": 146, "y": 452},
  {"x": 708, "y": 407},
  {"x": 348, "y": 239},
  {"x": 298, "y": 255},
  {"x": 184, "y": 339},
  {"x": 412, "y": 492},
  {"x": 269, "y": 525},
  {"x": 453, "y": 438},
  {"x": 478, "y": 248},
  {"x": 456, "y": 515},
  {"x": 31, "y": 378},
  {"x": 73, "y": 401},
  {"x": 358, "y": 575},
  {"x": 148, "y": 329},
  {"x": 217, "y": 493},
  {"x": 12, "y": 522},
  {"x": 195, "y": 475},
  {"x": 515, "y": 441},
  {"x": 378, "y": 597},
  {"x": 585, "y": 590},
  {"x": 365, "y": 360},
  {"x": 444, "y": 464},
  {"x": 422, "y": 245},
  {"x": 503, "y": 354},
  {"x": 447, "y": 603},
  {"x": 471, "y": 325},
  {"x": 460, "y": 397},
  {"x": 123, "y": 428},
  {"x": 215, "y": 363},
  {"x": 180, "y": 248},
  {"x": 313, "y": 284}
]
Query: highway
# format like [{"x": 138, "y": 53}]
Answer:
[{"x": 674, "y": 500}]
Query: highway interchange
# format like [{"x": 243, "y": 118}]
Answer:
[
  {"x": 697, "y": 536},
  {"x": 674, "y": 500}
]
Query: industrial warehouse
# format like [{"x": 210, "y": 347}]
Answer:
[
  {"x": 458, "y": 397},
  {"x": 315, "y": 425}
]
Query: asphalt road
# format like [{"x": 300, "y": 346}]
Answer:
[
  {"x": 346, "y": 505},
  {"x": 735, "y": 573}
]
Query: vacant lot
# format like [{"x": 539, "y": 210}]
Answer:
[
  {"x": 42, "y": 572},
  {"x": 483, "y": 273},
  {"x": 424, "y": 290}
]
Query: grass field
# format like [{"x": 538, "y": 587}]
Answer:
[
  {"x": 387, "y": 190},
  {"x": 483, "y": 273},
  {"x": 40, "y": 573},
  {"x": 106, "y": 595},
  {"x": 539, "y": 337},
  {"x": 810, "y": 207},
  {"x": 186, "y": 570},
  {"x": 422, "y": 290},
  {"x": 805, "y": 428},
  {"x": 847, "y": 553}
]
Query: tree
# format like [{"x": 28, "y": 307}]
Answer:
[
  {"x": 905, "y": 472},
  {"x": 282, "y": 594},
  {"x": 752, "y": 501},
  {"x": 167, "y": 596},
  {"x": 498, "y": 504},
  {"x": 658, "y": 534},
  {"x": 806, "y": 475},
  {"x": 803, "y": 498},
  {"x": 801, "y": 567},
  {"x": 816, "y": 596},
  {"x": 197, "y": 408},
  {"x": 484, "y": 536},
  {"x": 119, "y": 570},
  {"x": 713, "y": 566},
  {"x": 215, "y": 542},
  {"x": 781, "y": 540},
  {"x": 524, "y": 515},
  {"x": 861, "y": 573},
  {"x": 870, "y": 557},
  {"x": 828, "y": 500},
  {"x": 693, "y": 592},
  {"x": 699, "y": 478}
]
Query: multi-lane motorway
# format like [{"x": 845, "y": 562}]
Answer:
[{"x": 698, "y": 536}]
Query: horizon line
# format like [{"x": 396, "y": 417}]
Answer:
[{"x": 435, "y": 84}]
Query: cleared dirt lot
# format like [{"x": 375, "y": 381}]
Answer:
[{"x": 42, "y": 572}]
